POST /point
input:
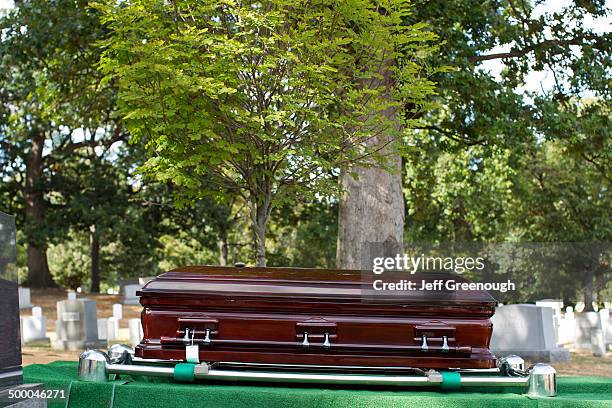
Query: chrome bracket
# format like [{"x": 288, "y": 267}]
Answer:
[
  {"x": 207, "y": 339},
  {"x": 445, "y": 347},
  {"x": 326, "y": 342},
  {"x": 424, "y": 346},
  {"x": 305, "y": 342}
]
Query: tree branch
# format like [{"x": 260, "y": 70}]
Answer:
[
  {"x": 451, "y": 135},
  {"x": 544, "y": 44}
]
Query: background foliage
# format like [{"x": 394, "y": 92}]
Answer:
[{"x": 493, "y": 158}]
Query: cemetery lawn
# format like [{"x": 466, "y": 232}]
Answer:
[{"x": 582, "y": 362}]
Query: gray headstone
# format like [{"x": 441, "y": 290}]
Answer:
[
  {"x": 78, "y": 325},
  {"x": 25, "y": 301},
  {"x": 527, "y": 331},
  {"x": 129, "y": 294}
]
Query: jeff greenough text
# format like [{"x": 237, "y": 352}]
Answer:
[{"x": 441, "y": 284}]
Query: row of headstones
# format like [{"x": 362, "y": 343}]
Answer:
[
  {"x": 77, "y": 326},
  {"x": 129, "y": 291},
  {"x": 108, "y": 329},
  {"x": 540, "y": 333},
  {"x": 586, "y": 330}
]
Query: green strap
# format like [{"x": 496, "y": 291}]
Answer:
[
  {"x": 184, "y": 372},
  {"x": 450, "y": 380}
]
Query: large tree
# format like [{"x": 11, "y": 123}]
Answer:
[
  {"x": 52, "y": 105},
  {"x": 264, "y": 99},
  {"x": 502, "y": 160}
]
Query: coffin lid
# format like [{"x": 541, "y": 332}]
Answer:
[{"x": 300, "y": 283}]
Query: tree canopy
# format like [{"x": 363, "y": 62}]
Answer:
[
  {"x": 266, "y": 100},
  {"x": 242, "y": 115}
]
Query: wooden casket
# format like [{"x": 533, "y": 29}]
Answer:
[{"x": 313, "y": 317}]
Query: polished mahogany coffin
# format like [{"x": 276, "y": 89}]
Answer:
[{"x": 315, "y": 317}]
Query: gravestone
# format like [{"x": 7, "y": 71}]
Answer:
[
  {"x": 129, "y": 294},
  {"x": 555, "y": 304},
  {"x": 76, "y": 325},
  {"x": 143, "y": 281},
  {"x": 11, "y": 373},
  {"x": 566, "y": 333},
  {"x": 527, "y": 331},
  {"x": 10, "y": 338},
  {"x": 136, "y": 333},
  {"x": 34, "y": 328},
  {"x": 604, "y": 316},
  {"x": 102, "y": 335},
  {"x": 25, "y": 301},
  {"x": 589, "y": 332},
  {"x": 118, "y": 311},
  {"x": 112, "y": 329},
  {"x": 598, "y": 345}
]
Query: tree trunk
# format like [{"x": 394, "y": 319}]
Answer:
[
  {"x": 95, "y": 261},
  {"x": 589, "y": 277},
  {"x": 39, "y": 275},
  {"x": 222, "y": 249},
  {"x": 371, "y": 210},
  {"x": 259, "y": 222},
  {"x": 372, "y": 206},
  {"x": 260, "y": 241}
]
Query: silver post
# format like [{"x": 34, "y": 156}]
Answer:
[
  {"x": 92, "y": 366},
  {"x": 542, "y": 381}
]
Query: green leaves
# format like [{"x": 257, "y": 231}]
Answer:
[{"x": 267, "y": 99}]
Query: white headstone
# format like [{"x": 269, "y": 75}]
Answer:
[
  {"x": 566, "y": 332},
  {"x": 25, "y": 300},
  {"x": 102, "y": 332},
  {"x": 136, "y": 333},
  {"x": 72, "y": 295},
  {"x": 604, "y": 316},
  {"x": 527, "y": 331},
  {"x": 555, "y": 304},
  {"x": 34, "y": 328},
  {"x": 586, "y": 323},
  {"x": 118, "y": 311},
  {"x": 112, "y": 329},
  {"x": 129, "y": 294},
  {"x": 579, "y": 307},
  {"x": 145, "y": 280},
  {"x": 37, "y": 312},
  {"x": 598, "y": 346}
]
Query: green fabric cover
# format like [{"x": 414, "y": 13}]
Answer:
[
  {"x": 574, "y": 392},
  {"x": 184, "y": 372},
  {"x": 450, "y": 380}
]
